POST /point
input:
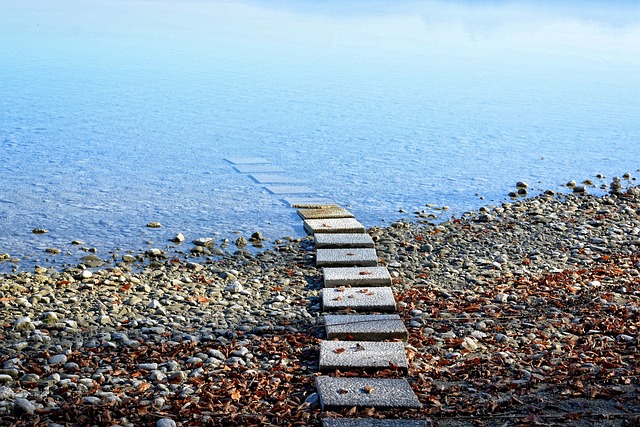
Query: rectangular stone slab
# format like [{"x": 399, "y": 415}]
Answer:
[
  {"x": 333, "y": 225},
  {"x": 343, "y": 240},
  {"x": 381, "y": 393},
  {"x": 345, "y": 355},
  {"x": 324, "y": 213},
  {"x": 246, "y": 160},
  {"x": 356, "y": 276},
  {"x": 359, "y": 299},
  {"x": 349, "y": 257},
  {"x": 310, "y": 203},
  {"x": 259, "y": 168},
  {"x": 365, "y": 327},
  {"x": 273, "y": 178},
  {"x": 289, "y": 189},
  {"x": 371, "y": 422}
]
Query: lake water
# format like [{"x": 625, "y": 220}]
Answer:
[{"x": 121, "y": 112}]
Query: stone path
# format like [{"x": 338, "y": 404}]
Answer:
[{"x": 353, "y": 283}]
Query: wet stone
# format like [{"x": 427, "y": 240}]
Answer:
[
  {"x": 371, "y": 327},
  {"x": 333, "y": 225},
  {"x": 310, "y": 203},
  {"x": 351, "y": 257},
  {"x": 359, "y": 299},
  {"x": 356, "y": 276},
  {"x": 371, "y": 422},
  {"x": 246, "y": 160},
  {"x": 273, "y": 178},
  {"x": 258, "y": 168},
  {"x": 362, "y": 354},
  {"x": 289, "y": 189},
  {"x": 380, "y": 393},
  {"x": 322, "y": 213}
]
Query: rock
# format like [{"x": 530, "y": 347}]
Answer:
[
  {"x": 23, "y": 324},
  {"x": 241, "y": 242},
  {"x": 128, "y": 258},
  {"x": 165, "y": 422},
  {"x": 522, "y": 184},
  {"x": 53, "y": 251},
  {"x": 154, "y": 224},
  {"x": 178, "y": 238},
  {"x": 58, "y": 359},
  {"x": 234, "y": 287},
  {"x": 6, "y": 393},
  {"x": 39, "y": 231},
  {"x": 22, "y": 406},
  {"x": 206, "y": 242},
  {"x": 256, "y": 237},
  {"x": 92, "y": 261}
]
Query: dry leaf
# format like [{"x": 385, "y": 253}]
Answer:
[
  {"x": 368, "y": 389},
  {"x": 342, "y": 391},
  {"x": 339, "y": 350}
]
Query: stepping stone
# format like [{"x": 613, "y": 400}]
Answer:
[
  {"x": 356, "y": 276},
  {"x": 325, "y": 213},
  {"x": 371, "y": 422},
  {"x": 365, "y": 327},
  {"x": 343, "y": 240},
  {"x": 272, "y": 178},
  {"x": 333, "y": 225},
  {"x": 349, "y": 257},
  {"x": 246, "y": 160},
  {"x": 310, "y": 203},
  {"x": 381, "y": 393},
  {"x": 359, "y": 299},
  {"x": 259, "y": 168},
  {"x": 289, "y": 189},
  {"x": 346, "y": 355}
]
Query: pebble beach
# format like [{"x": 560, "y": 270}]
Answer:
[{"x": 526, "y": 312}]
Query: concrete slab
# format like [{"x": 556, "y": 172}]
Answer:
[
  {"x": 323, "y": 213},
  {"x": 356, "y": 276},
  {"x": 345, "y": 355},
  {"x": 333, "y": 225},
  {"x": 310, "y": 203},
  {"x": 259, "y": 168},
  {"x": 289, "y": 189},
  {"x": 246, "y": 160},
  {"x": 381, "y": 393},
  {"x": 343, "y": 240},
  {"x": 349, "y": 257},
  {"x": 365, "y": 327},
  {"x": 359, "y": 299},
  {"x": 273, "y": 178},
  {"x": 371, "y": 422}
]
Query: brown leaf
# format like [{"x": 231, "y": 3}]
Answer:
[
  {"x": 339, "y": 350},
  {"x": 342, "y": 391},
  {"x": 368, "y": 389}
]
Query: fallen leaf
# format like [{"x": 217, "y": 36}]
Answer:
[
  {"x": 368, "y": 389},
  {"x": 339, "y": 350}
]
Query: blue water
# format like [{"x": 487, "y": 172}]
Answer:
[{"x": 115, "y": 113}]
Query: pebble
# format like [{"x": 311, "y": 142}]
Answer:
[
  {"x": 22, "y": 406},
  {"x": 165, "y": 422}
]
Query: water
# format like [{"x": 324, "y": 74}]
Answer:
[{"x": 120, "y": 113}]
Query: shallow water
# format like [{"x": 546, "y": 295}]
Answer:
[{"x": 121, "y": 113}]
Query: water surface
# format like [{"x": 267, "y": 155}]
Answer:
[{"x": 121, "y": 112}]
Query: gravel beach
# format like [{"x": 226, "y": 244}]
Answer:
[{"x": 521, "y": 314}]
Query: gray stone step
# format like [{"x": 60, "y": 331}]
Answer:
[
  {"x": 310, "y": 202},
  {"x": 273, "y": 178},
  {"x": 259, "y": 168},
  {"x": 350, "y": 257},
  {"x": 325, "y": 213},
  {"x": 359, "y": 299},
  {"x": 333, "y": 225},
  {"x": 371, "y": 422},
  {"x": 381, "y": 393},
  {"x": 246, "y": 160},
  {"x": 345, "y": 355},
  {"x": 343, "y": 240},
  {"x": 365, "y": 327},
  {"x": 356, "y": 276},
  {"x": 289, "y": 189}
]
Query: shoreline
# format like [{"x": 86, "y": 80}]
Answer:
[{"x": 204, "y": 333}]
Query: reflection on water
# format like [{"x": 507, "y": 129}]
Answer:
[{"x": 120, "y": 113}]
